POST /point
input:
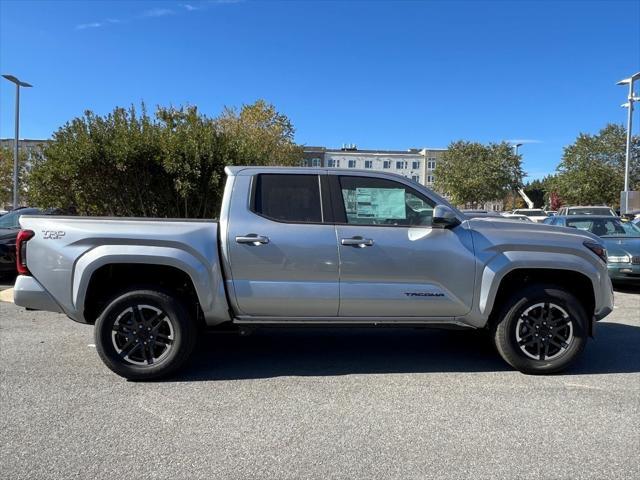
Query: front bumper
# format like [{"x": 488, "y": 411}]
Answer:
[
  {"x": 28, "y": 293},
  {"x": 624, "y": 271}
]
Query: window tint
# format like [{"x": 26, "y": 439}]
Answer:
[
  {"x": 374, "y": 201},
  {"x": 288, "y": 198}
]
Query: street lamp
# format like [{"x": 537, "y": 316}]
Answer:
[
  {"x": 624, "y": 203},
  {"x": 19, "y": 84},
  {"x": 518, "y": 145}
]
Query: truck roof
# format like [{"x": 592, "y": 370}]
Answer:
[{"x": 235, "y": 170}]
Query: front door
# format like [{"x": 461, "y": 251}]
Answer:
[
  {"x": 392, "y": 263},
  {"x": 283, "y": 256}
]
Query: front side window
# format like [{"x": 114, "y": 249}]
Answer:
[
  {"x": 386, "y": 164},
  {"x": 415, "y": 178},
  {"x": 288, "y": 198},
  {"x": 415, "y": 166},
  {"x": 333, "y": 163},
  {"x": 368, "y": 164},
  {"x": 430, "y": 179},
  {"x": 376, "y": 201},
  {"x": 352, "y": 164},
  {"x": 400, "y": 165}
]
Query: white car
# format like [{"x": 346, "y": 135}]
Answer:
[
  {"x": 534, "y": 214},
  {"x": 515, "y": 216}
]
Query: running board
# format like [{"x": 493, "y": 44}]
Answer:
[{"x": 354, "y": 322}]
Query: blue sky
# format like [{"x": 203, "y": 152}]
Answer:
[{"x": 389, "y": 75}]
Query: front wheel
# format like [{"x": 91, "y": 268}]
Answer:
[
  {"x": 541, "y": 329},
  {"x": 144, "y": 335}
]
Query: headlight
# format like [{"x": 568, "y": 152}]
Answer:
[{"x": 619, "y": 259}]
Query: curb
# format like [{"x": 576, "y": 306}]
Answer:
[{"x": 6, "y": 295}]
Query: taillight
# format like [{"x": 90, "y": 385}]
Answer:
[
  {"x": 21, "y": 251},
  {"x": 598, "y": 249}
]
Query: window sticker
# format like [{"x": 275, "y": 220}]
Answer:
[{"x": 380, "y": 203}]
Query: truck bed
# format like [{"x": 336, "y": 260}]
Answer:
[{"x": 66, "y": 250}]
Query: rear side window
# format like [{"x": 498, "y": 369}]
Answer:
[{"x": 288, "y": 198}]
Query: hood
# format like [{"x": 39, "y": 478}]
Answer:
[
  {"x": 618, "y": 246},
  {"x": 529, "y": 231}
]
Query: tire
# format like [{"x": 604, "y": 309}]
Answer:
[
  {"x": 541, "y": 329},
  {"x": 145, "y": 335}
]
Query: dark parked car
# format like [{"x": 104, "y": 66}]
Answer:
[
  {"x": 9, "y": 228},
  {"x": 622, "y": 240}
]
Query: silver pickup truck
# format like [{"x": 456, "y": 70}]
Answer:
[{"x": 302, "y": 246}]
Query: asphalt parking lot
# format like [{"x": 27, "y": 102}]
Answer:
[{"x": 324, "y": 404}]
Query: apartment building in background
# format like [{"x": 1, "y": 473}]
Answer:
[
  {"x": 27, "y": 145},
  {"x": 414, "y": 163}
]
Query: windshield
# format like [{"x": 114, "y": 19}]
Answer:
[
  {"x": 604, "y": 227},
  {"x": 531, "y": 213},
  {"x": 11, "y": 219},
  {"x": 591, "y": 211}
]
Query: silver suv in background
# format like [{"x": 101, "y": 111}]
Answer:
[
  {"x": 587, "y": 210},
  {"x": 309, "y": 247}
]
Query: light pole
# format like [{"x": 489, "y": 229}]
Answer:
[
  {"x": 517, "y": 145},
  {"x": 19, "y": 84},
  {"x": 624, "y": 203}
]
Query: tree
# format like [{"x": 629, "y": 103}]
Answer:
[
  {"x": 474, "y": 173},
  {"x": 536, "y": 192},
  {"x": 539, "y": 191},
  {"x": 171, "y": 164},
  {"x": 260, "y": 135},
  {"x": 6, "y": 175},
  {"x": 592, "y": 168}
]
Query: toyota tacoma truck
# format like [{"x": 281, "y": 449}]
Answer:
[{"x": 315, "y": 246}]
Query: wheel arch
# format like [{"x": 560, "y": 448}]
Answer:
[
  {"x": 105, "y": 271},
  {"x": 574, "y": 282}
]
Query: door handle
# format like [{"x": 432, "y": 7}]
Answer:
[
  {"x": 357, "y": 242},
  {"x": 252, "y": 239}
]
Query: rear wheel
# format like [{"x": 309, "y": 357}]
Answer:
[
  {"x": 144, "y": 335},
  {"x": 541, "y": 329}
]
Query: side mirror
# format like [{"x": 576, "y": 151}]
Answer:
[{"x": 444, "y": 217}]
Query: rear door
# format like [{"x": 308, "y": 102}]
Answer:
[
  {"x": 393, "y": 264},
  {"x": 282, "y": 250}
]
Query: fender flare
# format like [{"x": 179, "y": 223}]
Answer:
[
  {"x": 207, "y": 281},
  {"x": 507, "y": 262}
]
